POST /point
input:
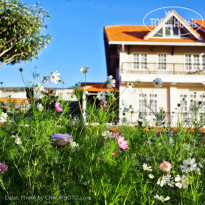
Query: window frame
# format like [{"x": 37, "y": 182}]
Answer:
[
  {"x": 140, "y": 61},
  {"x": 201, "y": 66},
  {"x": 157, "y": 61}
]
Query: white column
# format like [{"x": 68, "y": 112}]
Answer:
[
  {"x": 173, "y": 100},
  {"x": 84, "y": 106}
]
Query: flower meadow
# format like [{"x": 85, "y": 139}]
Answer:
[{"x": 51, "y": 155}]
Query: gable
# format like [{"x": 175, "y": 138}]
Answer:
[{"x": 173, "y": 26}]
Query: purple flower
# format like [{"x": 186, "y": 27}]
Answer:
[
  {"x": 3, "y": 168},
  {"x": 61, "y": 139}
]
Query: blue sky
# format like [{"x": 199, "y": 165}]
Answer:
[{"x": 76, "y": 27}]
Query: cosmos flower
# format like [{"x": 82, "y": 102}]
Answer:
[
  {"x": 110, "y": 82},
  {"x": 165, "y": 166},
  {"x": 181, "y": 181},
  {"x": 151, "y": 176},
  {"x": 122, "y": 143},
  {"x": 53, "y": 78},
  {"x": 58, "y": 107},
  {"x": 161, "y": 198},
  {"x": 101, "y": 95},
  {"x": 3, "y": 168},
  {"x": 188, "y": 165},
  {"x": 61, "y": 139},
  {"x": 3, "y": 117},
  {"x": 40, "y": 107},
  {"x": 165, "y": 179},
  {"x": 84, "y": 70},
  {"x": 157, "y": 82},
  {"x": 146, "y": 168},
  {"x": 18, "y": 141}
]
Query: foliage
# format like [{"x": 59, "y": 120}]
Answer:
[
  {"x": 94, "y": 169},
  {"x": 21, "y": 37}
]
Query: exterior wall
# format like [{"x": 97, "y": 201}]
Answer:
[
  {"x": 175, "y": 84},
  {"x": 63, "y": 94},
  {"x": 168, "y": 98},
  {"x": 175, "y": 72},
  {"x": 129, "y": 98}
]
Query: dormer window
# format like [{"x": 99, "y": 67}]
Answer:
[{"x": 172, "y": 29}]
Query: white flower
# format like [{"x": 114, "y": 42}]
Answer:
[
  {"x": 109, "y": 93},
  {"x": 108, "y": 134},
  {"x": 3, "y": 117},
  {"x": 27, "y": 105},
  {"x": 181, "y": 182},
  {"x": 171, "y": 141},
  {"x": 53, "y": 78},
  {"x": 188, "y": 165},
  {"x": 40, "y": 107},
  {"x": 18, "y": 141},
  {"x": 200, "y": 165},
  {"x": 74, "y": 144},
  {"x": 110, "y": 82},
  {"x": 138, "y": 81},
  {"x": 165, "y": 179},
  {"x": 161, "y": 198},
  {"x": 146, "y": 168},
  {"x": 101, "y": 95},
  {"x": 157, "y": 82},
  {"x": 130, "y": 85},
  {"x": 84, "y": 69},
  {"x": 38, "y": 89},
  {"x": 151, "y": 176}
]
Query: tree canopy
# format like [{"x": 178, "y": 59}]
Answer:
[{"x": 21, "y": 35}]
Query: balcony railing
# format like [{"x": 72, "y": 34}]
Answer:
[{"x": 163, "y": 68}]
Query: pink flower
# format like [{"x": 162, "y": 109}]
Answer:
[
  {"x": 61, "y": 139},
  {"x": 101, "y": 107},
  {"x": 58, "y": 107},
  {"x": 113, "y": 153},
  {"x": 116, "y": 135},
  {"x": 73, "y": 122},
  {"x": 3, "y": 168},
  {"x": 122, "y": 143},
  {"x": 100, "y": 159},
  {"x": 165, "y": 166},
  {"x": 104, "y": 102}
]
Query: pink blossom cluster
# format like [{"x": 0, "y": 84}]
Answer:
[
  {"x": 3, "y": 168},
  {"x": 58, "y": 107},
  {"x": 165, "y": 167},
  {"x": 103, "y": 104},
  {"x": 121, "y": 141}
]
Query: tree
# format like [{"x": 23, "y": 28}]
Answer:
[{"x": 21, "y": 36}]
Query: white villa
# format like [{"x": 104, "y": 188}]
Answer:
[{"x": 173, "y": 52}]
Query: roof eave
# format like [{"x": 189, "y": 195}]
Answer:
[{"x": 156, "y": 43}]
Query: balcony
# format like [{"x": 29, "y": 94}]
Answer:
[{"x": 163, "y": 68}]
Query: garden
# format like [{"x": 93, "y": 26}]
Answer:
[{"x": 51, "y": 156}]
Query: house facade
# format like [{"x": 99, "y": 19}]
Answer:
[{"x": 172, "y": 51}]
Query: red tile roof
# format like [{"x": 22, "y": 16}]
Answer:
[
  {"x": 96, "y": 87},
  {"x": 138, "y": 33},
  {"x": 200, "y": 23}
]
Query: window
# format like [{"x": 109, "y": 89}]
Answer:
[
  {"x": 140, "y": 61},
  {"x": 184, "y": 107},
  {"x": 192, "y": 106},
  {"x": 173, "y": 28},
  {"x": 194, "y": 62},
  {"x": 147, "y": 99},
  {"x": 162, "y": 61}
]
